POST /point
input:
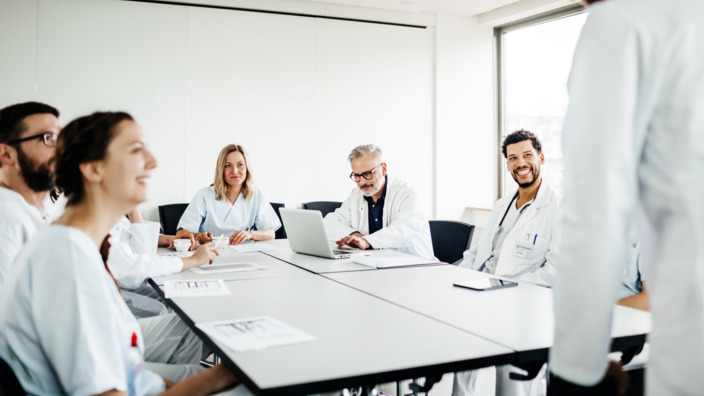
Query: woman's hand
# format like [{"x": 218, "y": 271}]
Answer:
[
  {"x": 240, "y": 236},
  {"x": 171, "y": 238},
  {"x": 204, "y": 237},
  {"x": 205, "y": 254}
]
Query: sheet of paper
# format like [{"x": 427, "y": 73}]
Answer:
[
  {"x": 177, "y": 254},
  {"x": 248, "y": 334},
  {"x": 195, "y": 288},
  {"x": 389, "y": 262},
  {"x": 253, "y": 247},
  {"x": 227, "y": 267}
]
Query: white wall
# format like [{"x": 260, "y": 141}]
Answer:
[{"x": 297, "y": 92}]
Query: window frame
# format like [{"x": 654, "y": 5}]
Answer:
[{"x": 500, "y": 83}]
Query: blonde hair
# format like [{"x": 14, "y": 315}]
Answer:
[{"x": 221, "y": 185}]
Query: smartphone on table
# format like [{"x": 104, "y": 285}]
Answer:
[{"x": 485, "y": 284}]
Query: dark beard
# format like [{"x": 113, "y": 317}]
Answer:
[
  {"x": 39, "y": 178},
  {"x": 536, "y": 176}
]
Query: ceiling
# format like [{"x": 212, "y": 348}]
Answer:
[{"x": 457, "y": 7}]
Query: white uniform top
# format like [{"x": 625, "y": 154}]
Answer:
[
  {"x": 405, "y": 226},
  {"x": 634, "y": 131},
  {"x": 65, "y": 329},
  {"x": 133, "y": 258},
  {"x": 205, "y": 214},
  {"x": 529, "y": 251},
  {"x": 509, "y": 221},
  {"x": 19, "y": 221}
]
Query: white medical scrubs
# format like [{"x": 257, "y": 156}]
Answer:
[
  {"x": 65, "y": 327},
  {"x": 19, "y": 221},
  {"x": 205, "y": 214}
]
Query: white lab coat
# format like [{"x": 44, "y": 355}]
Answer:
[
  {"x": 537, "y": 222},
  {"x": 133, "y": 258},
  {"x": 634, "y": 130},
  {"x": 19, "y": 221},
  {"x": 405, "y": 226}
]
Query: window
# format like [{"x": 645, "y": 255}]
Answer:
[{"x": 535, "y": 58}]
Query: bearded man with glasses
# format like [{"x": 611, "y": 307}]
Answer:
[
  {"x": 381, "y": 212},
  {"x": 28, "y": 133}
]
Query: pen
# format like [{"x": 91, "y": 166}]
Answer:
[
  {"x": 219, "y": 239},
  {"x": 534, "y": 238}
]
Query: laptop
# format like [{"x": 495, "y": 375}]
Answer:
[{"x": 306, "y": 234}]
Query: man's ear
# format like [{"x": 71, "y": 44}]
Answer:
[
  {"x": 383, "y": 168},
  {"x": 542, "y": 158},
  {"x": 7, "y": 155},
  {"x": 92, "y": 171}
]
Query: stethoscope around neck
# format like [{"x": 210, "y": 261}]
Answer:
[{"x": 520, "y": 212}]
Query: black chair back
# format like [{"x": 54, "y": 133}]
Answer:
[
  {"x": 323, "y": 207},
  {"x": 281, "y": 232},
  {"x": 450, "y": 239},
  {"x": 9, "y": 384},
  {"x": 169, "y": 215}
]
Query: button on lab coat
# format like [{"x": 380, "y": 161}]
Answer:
[
  {"x": 536, "y": 223},
  {"x": 405, "y": 226}
]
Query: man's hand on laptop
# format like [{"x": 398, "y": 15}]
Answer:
[{"x": 355, "y": 240}]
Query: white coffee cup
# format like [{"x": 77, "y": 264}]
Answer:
[{"x": 182, "y": 245}]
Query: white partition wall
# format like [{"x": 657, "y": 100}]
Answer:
[
  {"x": 297, "y": 92},
  {"x": 115, "y": 55}
]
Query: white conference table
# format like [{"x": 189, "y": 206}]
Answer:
[
  {"x": 321, "y": 265},
  {"x": 375, "y": 326},
  {"x": 228, "y": 255},
  {"x": 360, "y": 339},
  {"x": 520, "y": 318}
]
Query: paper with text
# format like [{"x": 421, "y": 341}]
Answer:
[
  {"x": 195, "y": 288},
  {"x": 260, "y": 332}
]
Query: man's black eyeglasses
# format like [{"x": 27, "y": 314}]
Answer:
[
  {"x": 49, "y": 139},
  {"x": 366, "y": 175}
]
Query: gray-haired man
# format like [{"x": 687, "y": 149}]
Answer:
[{"x": 382, "y": 212}]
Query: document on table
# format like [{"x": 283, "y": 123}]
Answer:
[
  {"x": 253, "y": 247},
  {"x": 259, "y": 332},
  {"x": 227, "y": 267},
  {"x": 195, "y": 288},
  {"x": 177, "y": 254},
  {"x": 389, "y": 262}
]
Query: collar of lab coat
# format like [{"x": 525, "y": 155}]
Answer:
[{"x": 545, "y": 193}]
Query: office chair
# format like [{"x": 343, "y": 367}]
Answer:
[
  {"x": 169, "y": 215},
  {"x": 9, "y": 384},
  {"x": 281, "y": 232},
  {"x": 323, "y": 207},
  {"x": 450, "y": 239}
]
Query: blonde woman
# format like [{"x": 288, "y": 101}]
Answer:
[{"x": 231, "y": 206}]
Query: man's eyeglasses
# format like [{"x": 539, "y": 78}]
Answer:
[
  {"x": 366, "y": 175},
  {"x": 49, "y": 139}
]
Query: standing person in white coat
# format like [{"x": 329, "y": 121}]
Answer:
[
  {"x": 636, "y": 95},
  {"x": 519, "y": 242},
  {"x": 382, "y": 212},
  {"x": 28, "y": 133}
]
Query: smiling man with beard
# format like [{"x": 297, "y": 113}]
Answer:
[
  {"x": 28, "y": 133},
  {"x": 519, "y": 241}
]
